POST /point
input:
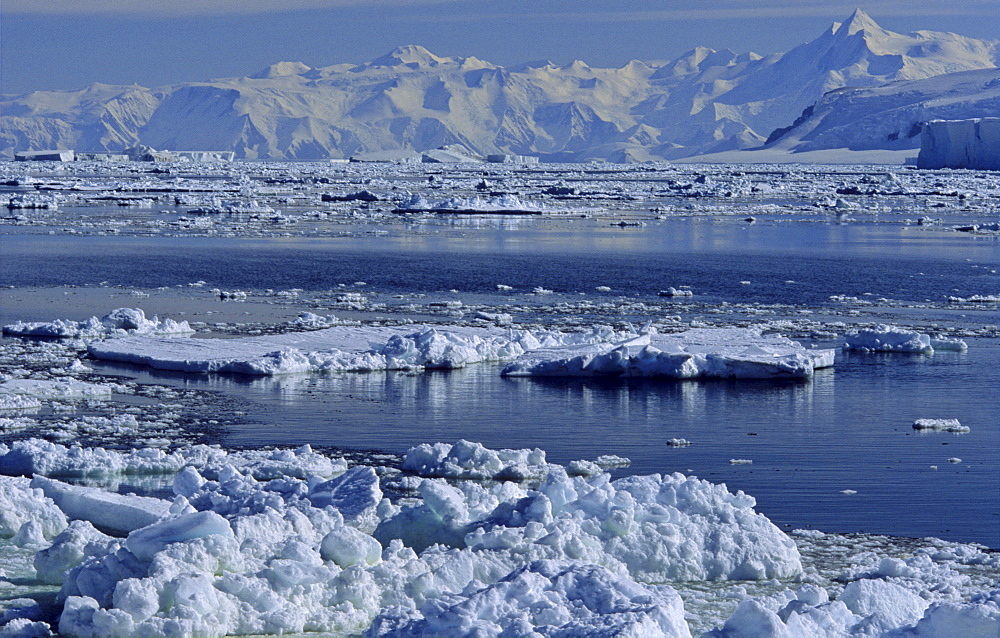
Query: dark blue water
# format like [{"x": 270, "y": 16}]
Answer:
[{"x": 712, "y": 258}]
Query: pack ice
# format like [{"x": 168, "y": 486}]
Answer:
[
  {"x": 238, "y": 555},
  {"x": 236, "y": 552}
]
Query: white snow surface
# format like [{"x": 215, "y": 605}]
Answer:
[
  {"x": 887, "y": 338},
  {"x": 118, "y": 322},
  {"x": 469, "y": 460},
  {"x": 339, "y": 348},
  {"x": 696, "y": 353}
]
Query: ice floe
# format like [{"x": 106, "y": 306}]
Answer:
[
  {"x": 340, "y": 348},
  {"x": 886, "y": 338},
  {"x": 67, "y": 388},
  {"x": 118, "y": 322},
  {"x": 696, "y": 353},
  {"x": 942, "y": 425}
]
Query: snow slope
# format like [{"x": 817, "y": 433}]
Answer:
[
  {"x": 891, "y": 116},
  {"x": 702, "y": 102}
]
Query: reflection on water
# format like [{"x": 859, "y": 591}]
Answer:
[{"x": 849, "y": 428}]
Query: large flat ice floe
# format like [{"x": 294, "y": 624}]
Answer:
[
  {"x": 237, "y": 553},
  {"x": 697, "y": 353},
  {"x": 340, "y": 348}
]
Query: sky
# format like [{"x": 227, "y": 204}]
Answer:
[{"x": 68, "y": 44}]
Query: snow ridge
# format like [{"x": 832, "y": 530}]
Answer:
[{"x": 704, "y": 101}]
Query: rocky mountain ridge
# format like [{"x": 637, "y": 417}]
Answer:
[{"x": 704, "y": 101}]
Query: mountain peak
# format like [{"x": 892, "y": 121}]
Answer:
[
  {"x": 282, "y": 69},
  {"x": 858, "y": 21},
  {"x": 411, "y": 55}
]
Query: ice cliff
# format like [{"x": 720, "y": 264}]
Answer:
[{"x": 973, "y": 143}]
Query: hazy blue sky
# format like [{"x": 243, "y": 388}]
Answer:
[{"x": 67, "y": 44}]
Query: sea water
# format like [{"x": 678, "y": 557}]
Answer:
[{"x": 837, "y": 452}]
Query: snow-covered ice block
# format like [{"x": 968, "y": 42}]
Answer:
[
  {"x": 40, "y": 457},
  {"x": 355, "y": 494},
  {"x": 545, "y": 598},
  {"x": 657, "y": 528},
  {"x": 43, "y": 458},
  {"x": 147, "y": 541},
  {"x": 18, "y": 402},
  {"x": 20, "y": 502},
  {"x": 115, "y": 512},
  {"x": 469, "y": 460},
  {"x": 887, "y": 338},
  {"x": 68, "y": 550},
  {"x": 118, "y": 322},
  {"x": 698, "y": 353},
  {"x": 978, "y": 618}
]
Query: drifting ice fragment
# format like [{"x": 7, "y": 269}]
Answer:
[
  {"x": 886, "y": 338},
  {"x": 677, "y": 292},
  {"x": 697, "y": 353},
  {"x": 942, "y": 425}
]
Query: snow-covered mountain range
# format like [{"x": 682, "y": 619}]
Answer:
[{"x": 702, "y": 102}]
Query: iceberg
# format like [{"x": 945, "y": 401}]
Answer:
[
  {"x": 740, "y": 353},
  {"x": 886, "y": 338}
]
